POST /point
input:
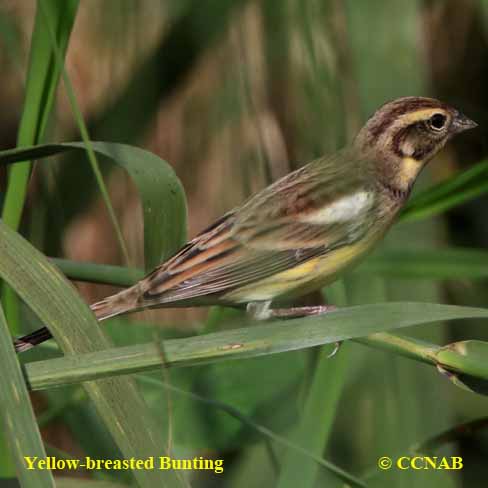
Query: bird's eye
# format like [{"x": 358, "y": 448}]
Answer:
[{"x": 437, "y": 122}]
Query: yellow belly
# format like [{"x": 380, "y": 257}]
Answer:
[{"x": 306, "y": 277}]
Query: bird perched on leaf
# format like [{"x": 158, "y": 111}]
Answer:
[{"x": 299, "y": 233}]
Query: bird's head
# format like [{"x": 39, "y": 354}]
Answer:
[{"x": 403, "y": 135}]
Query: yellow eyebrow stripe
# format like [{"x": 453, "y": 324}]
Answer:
[{"x": 412, "y": 117}]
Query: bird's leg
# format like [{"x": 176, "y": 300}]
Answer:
[
  {"x": 259, "y": 310},
  {"x": 262, "y": 311}
]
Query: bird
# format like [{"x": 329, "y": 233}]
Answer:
[{"x": 301, "y": 232}]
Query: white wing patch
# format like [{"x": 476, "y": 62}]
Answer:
[{"x": 346, "y": 208}]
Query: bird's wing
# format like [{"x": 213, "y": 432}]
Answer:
[
  {"x": 303, "y": 215},
  {"x": 317, "y": 205}
]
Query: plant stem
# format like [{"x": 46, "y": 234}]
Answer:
[
  {"x": 98, "y": 273},
  {"x": 405, "y": 346}
]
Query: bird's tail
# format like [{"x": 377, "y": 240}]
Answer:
[{"x": 117, "y": 304}]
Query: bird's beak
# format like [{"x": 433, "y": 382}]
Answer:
[{"x": 462, "y": 123}]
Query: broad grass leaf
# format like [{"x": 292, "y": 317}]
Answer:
[
  {"x": 76, "y": 330},
  {"x": 17, "y": 415},
  {"x": 247, "y": 342},
  {"x": 162, "y": 196}
]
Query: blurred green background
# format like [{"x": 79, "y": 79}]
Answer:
[{"x": 234, "y": 94}]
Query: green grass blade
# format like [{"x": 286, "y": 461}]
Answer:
[
  {"x": 76, "y": 330},
  {"x": 444, "y": 196},
  {"x": 259, "y": 428},
  {"x": 259, "y": 340},
  {"x": 84, "y": 134},
  {"x": 451, "y": 435},
  {"x": 451, "y": 186},
  {"x": 7, "y": 466},
  {"x": 42, "y": 81},
  {"x": 19, "y": 423},
  {"x": 443, "y": 204},
  {"x": 430, "y": 264},
  {"x": 41, "y": 84},
  {"x": 162, "y": 195},
  {"x": 98, "y": 273},
  {"x": 321, "y": 403}
]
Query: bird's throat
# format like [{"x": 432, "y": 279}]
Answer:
[
  {"x": 407, "y": 173},
  {"x": 401, "y": 177}
]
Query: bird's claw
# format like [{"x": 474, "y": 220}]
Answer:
[{"x": 337, "y": 346}]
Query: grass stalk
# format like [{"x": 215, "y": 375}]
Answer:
[
  {"x": 321, "y": 403},
  {"x": 41, "y": 84},
  {"x": 86, "y": 138}
]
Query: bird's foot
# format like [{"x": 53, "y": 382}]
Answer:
[
  {"x": 337, "y": 346},
  {"x": 262, "y": 311},
  {"x": 296, "y": 312}
]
